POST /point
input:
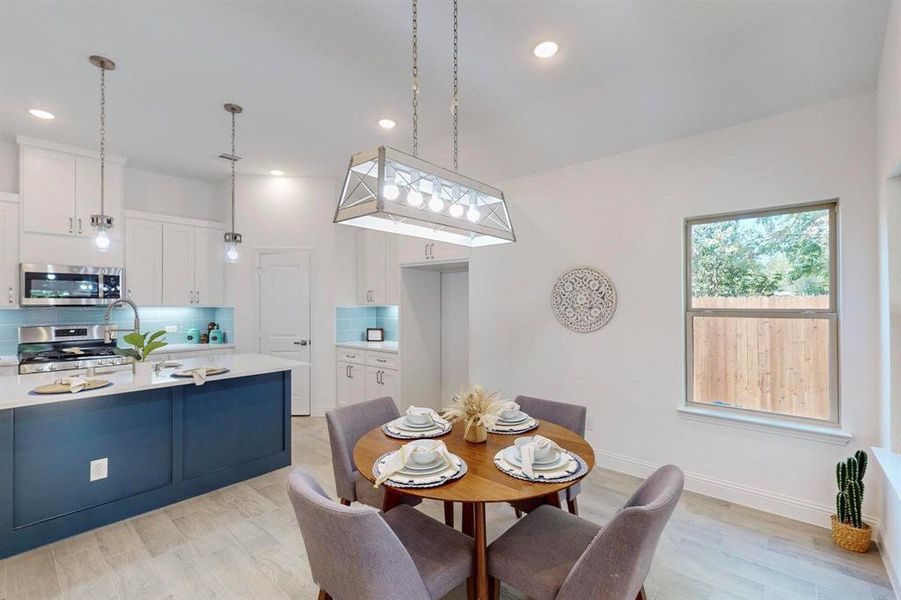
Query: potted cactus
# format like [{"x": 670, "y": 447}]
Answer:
[{"x": 848, "y": 529}]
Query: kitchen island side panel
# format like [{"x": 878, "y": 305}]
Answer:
[{"x": 150, "y": 438}]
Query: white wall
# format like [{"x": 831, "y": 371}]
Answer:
[
  {"x": 888, "y": 132},
  {"x": 9, "y": 168},
  {"x": 293, "y": 212},
  {"x": 454, "y": 333},
  {"x": 624, "y": 214},
  {"x": 159, "y": 193}
]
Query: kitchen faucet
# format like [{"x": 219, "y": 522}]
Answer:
[{"x": 109, "y": 312}]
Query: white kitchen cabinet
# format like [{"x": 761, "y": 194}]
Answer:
[
  {"x": 209, "y": 267},
  {"x": 381, "y": 383},
  {"x": 47, "y": 187},
  {"x": 144, "y": 261},
  {"x": 9, "y": 252},
  {"x": 178, "y": 264},
  {"x": 417, "y": 251},
  {"x": 371, "y": 271},
  {"x": 351, "y": 383}
]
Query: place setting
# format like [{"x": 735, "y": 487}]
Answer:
[
  {"x": 199, "y": 374},
  {"x": 417, "y": 423},
  {"x": 71, "y": 385},
  {"x": 539, "y": 459},
  {"x": 418, "y": 464},
  {"x": 510, "y": 420}
]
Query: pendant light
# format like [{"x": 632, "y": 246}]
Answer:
[
  {"x": 388, "y": 190},
  {"x": 102, "y": 223},
  {"x": 232, "y": 239}
]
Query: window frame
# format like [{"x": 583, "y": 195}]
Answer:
[{"x": 830, "y": 314}]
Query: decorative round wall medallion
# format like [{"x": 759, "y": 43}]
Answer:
[{"x": 583, "y": 299}]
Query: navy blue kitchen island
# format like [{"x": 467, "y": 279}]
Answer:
[{"x": 164, "y": 439}]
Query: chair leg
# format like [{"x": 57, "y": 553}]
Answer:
[
  {"x": 573, "y": 506},
  {"x": 323, "y": 595},
  {"x": 517, "y": 512},
  {"x": 448, "y": 513},
  {"x": 642, "y": 595},
  {"x": 345, "y": 501},
  {"x": 494, "y": 588},
  {"x": 470, "y": 588}
]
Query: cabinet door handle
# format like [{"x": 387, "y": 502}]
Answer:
[
  {"x": 350, "y": 369},
  {"x": 71, "y": 225},
  {"x": 79, "y": 224},
  {"x": 10, "y": 294},
  {"x": 347, "y": 371},
  {"x": 431, "y": 251},
  {"x": 129, "y": 294},
  {"x": 192, "y": 296},
  {"x": 197, "y": 292}
]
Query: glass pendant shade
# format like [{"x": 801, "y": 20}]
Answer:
[{"x": 388, "y": 190}]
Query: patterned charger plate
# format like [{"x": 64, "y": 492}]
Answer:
[
  {"x": 529, "y": 426},
  {"x": 516, "y": 473},
  {"x": 376, "y": 472}
]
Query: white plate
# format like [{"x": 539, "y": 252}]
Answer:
[
  {"x": 438, "y": 462},
  {"x": 515, "y": 426},
  {"x": 404, "y": 428},
  {"x": 433, "y": 470},
  {"x": 407, "y": 423},
  {"x": 512, "y": 456},
  {"x": 522, "y": 418}
]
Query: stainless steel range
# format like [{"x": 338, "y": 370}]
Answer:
[{"x": 47, "y": 348}]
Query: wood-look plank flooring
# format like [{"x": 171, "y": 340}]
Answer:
[{"x": 242, "y": 542}]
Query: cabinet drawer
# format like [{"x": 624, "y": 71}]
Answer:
[
  {"x": 351, "y": 356},
  {"x": 385, "y": 360}
]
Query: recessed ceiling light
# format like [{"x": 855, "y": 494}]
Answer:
[
  {"x": 545, "y": 49},
  {"x": 276, "y": 172},
  {"x": 387, "y": 124},
  {"x": 41, "y": 114}
]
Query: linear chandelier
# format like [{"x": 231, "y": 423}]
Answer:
[{"x": 388, "y": 190}]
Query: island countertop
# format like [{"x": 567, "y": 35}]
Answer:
[{"x": 15, "y": 389}]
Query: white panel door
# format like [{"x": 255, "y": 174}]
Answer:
[
  {"x": 350, "y": 384},
  {"x": 144, "y": 261},
  {"x": 284, "y": 304},
  {"x": 9, "y": 255},
  {"x": 47, "y": 191},
  {"x": 209, "y": 267},
  {"x": 178, "y": 264}
]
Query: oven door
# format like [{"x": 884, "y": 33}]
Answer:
[{"x": 58, "y": 285}]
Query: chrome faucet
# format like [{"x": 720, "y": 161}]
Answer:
[{"x": 109, "y": 312}]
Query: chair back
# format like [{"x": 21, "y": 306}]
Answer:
[
  {"x": 616, "y": 563},
  {"x": 346, "y": 425},
  {"x": 352, "y": 551},
  {"x": 570, "y": 416}
]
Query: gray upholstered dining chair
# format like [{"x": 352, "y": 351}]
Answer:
[
  {"x": 357, "y": 553},
  {"x": 570, "y": 416},
  {"x": 346, "y": 425},
  {"x": 553, "y": 555}
]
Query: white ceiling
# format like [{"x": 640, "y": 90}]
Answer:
[{"x": 314, "y": 77}]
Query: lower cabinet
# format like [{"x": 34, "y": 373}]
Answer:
[{"x": 357, "y": 382}]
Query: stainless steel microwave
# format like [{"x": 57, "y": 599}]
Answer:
[{"x": 63, "y": 285}]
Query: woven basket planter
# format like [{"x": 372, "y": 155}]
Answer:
[{"x": 849, "y": 537}]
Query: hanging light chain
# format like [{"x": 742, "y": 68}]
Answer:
[
  {"x": 102, "y": 135},
  {"x": 415, "y": 85},
  {"x": 455, "y": 107},
  {"x": 233, "y": 170}
]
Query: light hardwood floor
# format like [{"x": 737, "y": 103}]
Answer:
[{"x": 242, "y": 543}]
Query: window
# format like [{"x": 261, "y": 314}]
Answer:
[{"x": 761, "y": 320}]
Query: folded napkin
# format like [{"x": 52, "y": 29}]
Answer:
[
  {"x": 527, "y": 452},
  {"x": 399, "y": 459},
  {"x": 76, "y": 384},
  {"x": 199, "y": 375},
  {"x": 424, "y": 410}
]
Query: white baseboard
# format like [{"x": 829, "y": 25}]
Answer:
[{"x": 767, "y": 501}]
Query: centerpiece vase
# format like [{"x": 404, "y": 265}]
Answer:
[{"x": 476, "y": 432}]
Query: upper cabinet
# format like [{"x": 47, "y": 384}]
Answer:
[
  {"x": 9, "y": 251},
  {"x": 378, "y": 276},
  {"x": 209, "y": 266},
  {"x": 417, "y": 251},
  {"x": 59, "y": 191},
  {"x": 144, "y": 261}
]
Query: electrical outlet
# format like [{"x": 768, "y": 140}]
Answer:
[
  {"x": 589, "y": 424},
  {"x": 171, "y": 328},
  {"x": 99, "y": 469}
]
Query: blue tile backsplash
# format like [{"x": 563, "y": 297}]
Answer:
[
  {"x": 351, "y": 322},
  {"x": 152, "y": 319}
]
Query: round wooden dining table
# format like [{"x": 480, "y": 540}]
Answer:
[{"x": 482, "y": 483}]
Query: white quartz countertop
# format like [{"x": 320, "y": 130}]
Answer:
[
  {"x": 174, "y": 348},
  {"x": 14, "y": 389},
  {"x": 378, "y": 346},
  {"x": 8, "y": 360}
]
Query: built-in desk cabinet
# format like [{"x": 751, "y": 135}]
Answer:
[
  {"x": 366, "y": 375},
  {"x": 9, "y": 251}
]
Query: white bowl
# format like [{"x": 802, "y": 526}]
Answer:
[
  {"x": 423, "y": 419},
  {"x": 423, "y": 458},
  {"x": 510, "y": 414},
  {"x": 539, "y": 454}
]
